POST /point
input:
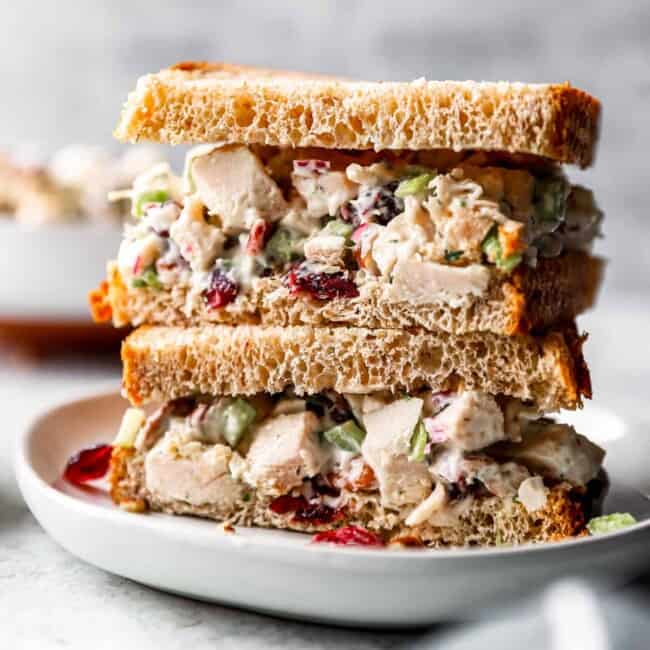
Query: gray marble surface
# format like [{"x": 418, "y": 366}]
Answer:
[{"x": 50, "y": 599}]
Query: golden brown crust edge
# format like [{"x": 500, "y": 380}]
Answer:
[
  {"x": 532, "y": 300},
  {"x": 161, "y": 363},
  {"x": 248, "y": 105}
]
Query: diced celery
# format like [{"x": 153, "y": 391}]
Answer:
[
  {"x": 283, "y": 247},
  {"x": 507, "y": 264},
  {"x": 153, "y": 196},
  {"x": 148, "y": 279},
  {"x": 610, "y": 523},
  {"x": 348, "y": 436},
  {"x": 415, "y": 185},
  {"x": 338, "y": 227},
  {"x": 419, "y": 441},
  {"x": 494, "y": 253},
  {"x": 550, "y": 199},
  {"x": 237, "y": 417},
  {"x": 491, "y": 246}
]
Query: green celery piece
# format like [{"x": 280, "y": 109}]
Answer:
[
  {"x": 493, "y": 251},
  {"x": 610, "y": 523},
  {"x": 237, "y": 417},
  {"x": 153, "y": 196},
  {"x": 338, "y": 227},
  {"x": 149, "y": 278},
  {"x": 490, "y": 245},
  {"x": 419, "y": 441},
  {"x": 507, "y": 264},
  {"x": 347, "y": 436},
  {"x": 417, "y": 170},
  {"x": 282, "y": 247},
  {"x": 414, "y": 185},
  {"x": 550, "y": 203}
]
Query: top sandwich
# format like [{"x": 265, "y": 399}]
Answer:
[
  {"x": 439, "y": 205},
  {"x": 198, "y": 102}
]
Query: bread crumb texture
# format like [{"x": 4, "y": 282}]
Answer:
[{"x": 199, "y": 102}]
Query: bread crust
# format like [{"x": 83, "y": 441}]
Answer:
[
  {"x": 163, "y": 363},
  {"x": 199, "y": 102},
  {"x": 489, "y": 521},
  {"x": 530, "y": 300}
]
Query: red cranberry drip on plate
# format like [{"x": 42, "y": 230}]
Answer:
[
  {"x": 88, "y": 464},
  {"x": 321, "y": 286},
  {"x": 348, "y": 536},
  {"x": 222, "y": 290},
  {"x": 258, "y": 236}
]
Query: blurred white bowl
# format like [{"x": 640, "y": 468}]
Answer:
[{"x": 47, "y": 271}]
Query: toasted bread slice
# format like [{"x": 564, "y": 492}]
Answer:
[
  {"x": 489, "y": 521},
  {"x": 198, "y": 102},
  {"x": 529, "y": 300},
  {"x": 163, "y": 363}
]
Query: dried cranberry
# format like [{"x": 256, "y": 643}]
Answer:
[
  {"x": 286, "y": 503},
  {"x": 88, "y": 464},
  {"x": 321, "y": 286},
  {"x": 349, "y": 536},
  {"x": 374, "y": 204},
  {"x": 317, "y": 514},
  {"x": 258, "y": 236},
  {"x": 304, "y": 511},
  {"x": 222, "y": 290}
]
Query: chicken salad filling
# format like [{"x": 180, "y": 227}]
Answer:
[
  {"x": 428, "y": 454},
  {"x": 329, "y": 223}
]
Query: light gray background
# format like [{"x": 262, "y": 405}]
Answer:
[{"x": 67, "y": 67}]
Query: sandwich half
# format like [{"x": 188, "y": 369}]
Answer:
[
  {"x": 436, "y": 205},
  {"x": 314, "y": 430}
]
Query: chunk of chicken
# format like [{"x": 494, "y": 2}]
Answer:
[
  {"x": 324, "y": 192},
  {"x": 501, "y": 479},
  {"x": 232, "y": 183},
  {"x": 199, "y": 242},
  {"x": 555, "y": 451},
  {"x": 135, "y": 255},
  {"x": 471, "y": 421},
  {"x": 195, "y": 473},
  {"x": 328, "y": 249},
  {"x": 421, "y": 282},
  {"x": 285, "y": 450},
  {"x": 386, "y": 448},
  {"x": 406, "y": 235}
]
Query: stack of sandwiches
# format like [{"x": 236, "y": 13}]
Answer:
[{"x": 355, "y": 310}]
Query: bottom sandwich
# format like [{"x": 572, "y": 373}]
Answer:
[{"x": 430, "y": 469}]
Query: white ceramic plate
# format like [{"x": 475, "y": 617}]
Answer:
[
  {"x": 47, "y": 271},
  {"x": 281, "y": 573}
]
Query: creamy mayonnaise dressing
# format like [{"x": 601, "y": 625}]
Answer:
[
  {"x": 422, "y": 233},
  {"x": 469, "y": 442}
]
